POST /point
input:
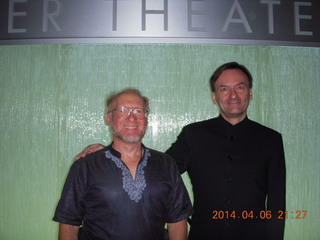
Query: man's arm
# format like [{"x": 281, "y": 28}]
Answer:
[
  {"x": 68, "y": 232},
  {"x": 180, "y": 151},
  {"x": 276, "y": 200},
  {"x": 178, "y": 230},
  {"x": 90, "y": 149}
]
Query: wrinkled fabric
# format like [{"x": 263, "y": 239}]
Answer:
[
  {"x": 94, "y": 196},
  {"x": 233, "y": 169}
]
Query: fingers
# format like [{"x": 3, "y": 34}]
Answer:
[
  {"x": 85, "y": 152},
  {"x": 78, "y": 156},
  {"x": 90, "y": 149}
]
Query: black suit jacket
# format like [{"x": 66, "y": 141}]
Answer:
[{"x": 238, "y": 179}]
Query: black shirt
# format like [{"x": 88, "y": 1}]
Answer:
[{"x": 235, "y": 170}]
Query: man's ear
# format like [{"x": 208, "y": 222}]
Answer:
[
  {"x": 108, "y": 119},
  {"x": 213, "y": 95}
]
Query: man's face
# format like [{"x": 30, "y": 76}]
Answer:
[
  {"x": 232, "y": 94},
  {"x": 127, "y": 128}
]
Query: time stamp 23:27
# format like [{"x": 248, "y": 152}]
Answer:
[{"x": 264, "y": 214}]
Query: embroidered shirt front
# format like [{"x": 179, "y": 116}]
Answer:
[
  {"x": 100, "y": 195},
  {"x": 134, "y": 187}
]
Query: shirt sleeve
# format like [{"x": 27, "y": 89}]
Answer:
[
  {"x": 180, "y": 207},
  {"x": 70, "y": 209}
]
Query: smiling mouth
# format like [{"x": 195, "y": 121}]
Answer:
[
  {"x": 234, "y": 102},
  {"x": 128, "y": 127}
]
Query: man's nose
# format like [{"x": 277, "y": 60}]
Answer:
[
  {"x": 131, "y": 115},
  {"x": 233, "y": 93}
]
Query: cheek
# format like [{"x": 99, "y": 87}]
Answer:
[
  {"x": 248, "y": 97},
  {"x": 222, "y": 99},
  {"x": 116, "y": 123},
  {"x": 143, "y": 124}
]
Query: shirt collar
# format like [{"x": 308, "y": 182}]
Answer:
[
  {"x": 231, "y": 129},
  {"x": 118, "y": 154}
]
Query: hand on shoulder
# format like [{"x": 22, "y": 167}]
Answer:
[{"x": 89, "y": 149}]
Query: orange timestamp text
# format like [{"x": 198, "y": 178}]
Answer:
[{"x": 264, "y": 214}]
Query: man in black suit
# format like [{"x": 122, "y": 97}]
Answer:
[{"x": 236, "y": 166}]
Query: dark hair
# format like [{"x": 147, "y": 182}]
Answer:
[
  {"x": 226, "y": 66},
  {"x": 110, "y": 100}
]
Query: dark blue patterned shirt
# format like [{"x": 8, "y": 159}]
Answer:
[{"x": 101, "y": 195}]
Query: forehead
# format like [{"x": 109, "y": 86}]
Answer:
[
  {"x": 232, "y": 77},
  {"x": 129, "y": 99}
]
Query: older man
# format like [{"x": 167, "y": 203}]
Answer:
[
  {"x": 126, "y": 190},
  {"x": 236, "y": 166}
]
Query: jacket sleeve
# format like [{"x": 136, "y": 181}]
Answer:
[
  {"x": 180, "y": 151},
  {"x": 276, "y": 200}
]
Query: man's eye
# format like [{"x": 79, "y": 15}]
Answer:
[
  {"x": 122, "y": 110},
  {"x": 241, "y": 87},
  {"x": 223, "y": 89},
  {"x": 137, "y": 111}
]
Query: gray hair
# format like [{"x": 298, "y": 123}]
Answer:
[{"x": 111, "y": 99}]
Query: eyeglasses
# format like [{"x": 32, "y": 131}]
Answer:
[{"x": 124, "y": 112}]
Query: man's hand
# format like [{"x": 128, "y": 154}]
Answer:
[{"x": 90, "y": 149}]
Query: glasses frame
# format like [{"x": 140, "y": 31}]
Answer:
[{"x": 123, "y": 110}]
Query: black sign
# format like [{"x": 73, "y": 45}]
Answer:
[{"x": 266, "y": 22}]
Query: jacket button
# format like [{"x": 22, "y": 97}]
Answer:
[
  {"x": 229, "y": 158},
  {"x": 228, "y": 180}
]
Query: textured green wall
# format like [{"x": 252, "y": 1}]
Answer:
[{"x": 52, "y": 105}]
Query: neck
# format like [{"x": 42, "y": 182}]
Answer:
[
  {"x": 234, "y": 120},
  {"x": 131, "y": 154},
  {"x": 127, "y": 149}
]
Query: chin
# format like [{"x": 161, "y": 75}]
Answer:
[
  {"x": 132, "y": 139},
  {"x": 129, "y": 138}
]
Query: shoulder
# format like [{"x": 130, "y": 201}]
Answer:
[
  {"x": 160, "y": 157},
  {"x": 157, "y": 154},
  {"x": 259, "y": 128},
  {"x": 209, "y": 123},
  {"x": 92, "y": 158}
]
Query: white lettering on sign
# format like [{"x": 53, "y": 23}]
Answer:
[{"x": 263, "y": 20}]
